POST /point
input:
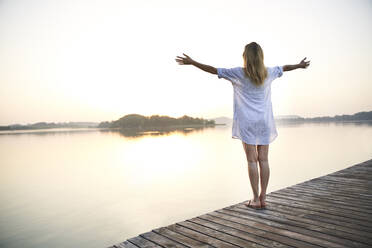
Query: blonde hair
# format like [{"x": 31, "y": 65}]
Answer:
[{"x": 254, "y": 66}]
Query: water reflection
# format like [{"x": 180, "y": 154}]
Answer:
[
  {"x": 94, "y": 188},
  {"x": 128, "y": 133},
  {"x": 49, "y": 132},
  {"x": 135, "y": 133},
  {"x": 354, "y": 123},
  {"x": 281, "y": 123}
]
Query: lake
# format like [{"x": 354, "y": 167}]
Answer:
[{"x": 92, "y": 188}]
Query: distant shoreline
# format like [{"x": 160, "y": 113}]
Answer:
[
  {"x": 135, "y": 121},
  {"x": 164, "y": 128},
  {"x": 10, "y": 128},
  {"x": 137, "y": 129},
  {"x": 318, "y": 121}
]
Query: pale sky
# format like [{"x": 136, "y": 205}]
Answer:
[{"x": 77, "y": 60}]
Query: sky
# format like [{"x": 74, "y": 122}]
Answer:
[{"x": 81, "y": 60}]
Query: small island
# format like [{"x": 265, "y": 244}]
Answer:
[
  {"x": 135, "y": 125},
  {"x": 155, "y": 122}
]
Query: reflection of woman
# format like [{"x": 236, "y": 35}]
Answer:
[{"x": 253, "y": 121}]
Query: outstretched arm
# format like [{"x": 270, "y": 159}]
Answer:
[
  {"x": 303, "y": 64},
  {"x": 189, "y": 61}
]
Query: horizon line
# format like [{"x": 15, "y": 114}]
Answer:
[{"x": 29, "y": 123}]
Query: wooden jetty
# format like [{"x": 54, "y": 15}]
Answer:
[{"x": 332, "y": 211}]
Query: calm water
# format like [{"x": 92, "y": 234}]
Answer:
[{"x": 95, "y": 189}]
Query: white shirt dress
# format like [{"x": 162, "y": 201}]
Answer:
[{"x": 253, "y": 121}]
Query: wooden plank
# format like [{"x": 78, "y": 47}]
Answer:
[
  {"x": 181, "y": 238},
  {"x": 242, "y": 238},
  {"x": 303, "y": 237},
  {"x": 344, "y": 187},
  {"x": 344, "y": 203},
  {"x": 339, "y": 223},
  {"x": 297, "y": 205},
  {"x": 351, "y": 181},
  {"x": 357, "y": 167},
  {"x": 337, "y": 184},
  {"x": 353, "y": 175},
  {"x": 125, "y": 244},
  {"x": 267, "y": 231},
  {"x": 340, "y": 189},
  {"x": 143, "y": 243},
  {"x": 326, "y": 192},
  {"x": 341, "y": 236},
  {"x": 319, "y": 207},
  {"x": 347, "y": 200},
  {"x": 334, "y": 178},
  {"x": 268, "y": 238},
  {"x": 311, "y": 201},
  {"x": 281, "y": 221},
  {"x": 334, "y": 193},
  {"x": 218, "y": 234},
  {"x": 161, "y": 240},
  {"x": 355, "y": 170},
  {"x": 197, "y": 235}
]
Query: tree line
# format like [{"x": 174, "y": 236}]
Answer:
[
  {"x": 360, "y": 116},
  {"x": 140, "y": 121}
]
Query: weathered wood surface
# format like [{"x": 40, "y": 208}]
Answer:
[{"x": 333, "y": 211}]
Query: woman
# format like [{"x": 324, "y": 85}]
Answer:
[{"x": 253, "y": 121}]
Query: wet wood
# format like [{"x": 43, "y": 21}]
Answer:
[{"x": 334, "y": 210}]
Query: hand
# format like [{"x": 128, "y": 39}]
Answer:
[
  {"x": 184, "y": 60},
  {"x": 304, "y": 64}
]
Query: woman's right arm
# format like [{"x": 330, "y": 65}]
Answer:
[
  {"x": 189, "y": 61},
  {"x": 303, "y": 64}
]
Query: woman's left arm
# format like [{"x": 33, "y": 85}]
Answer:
[
  {"x": 189, "y": 61},
  {"x": 303, "y": 64}
]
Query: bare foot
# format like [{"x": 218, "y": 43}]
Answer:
[
  {"x": 253, "y": 204},
  {"x": 263, "y": 201}
]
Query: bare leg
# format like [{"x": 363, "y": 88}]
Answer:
[
  {"x": 251, "y": 153},
  {"x": 263, "y": 154}
]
